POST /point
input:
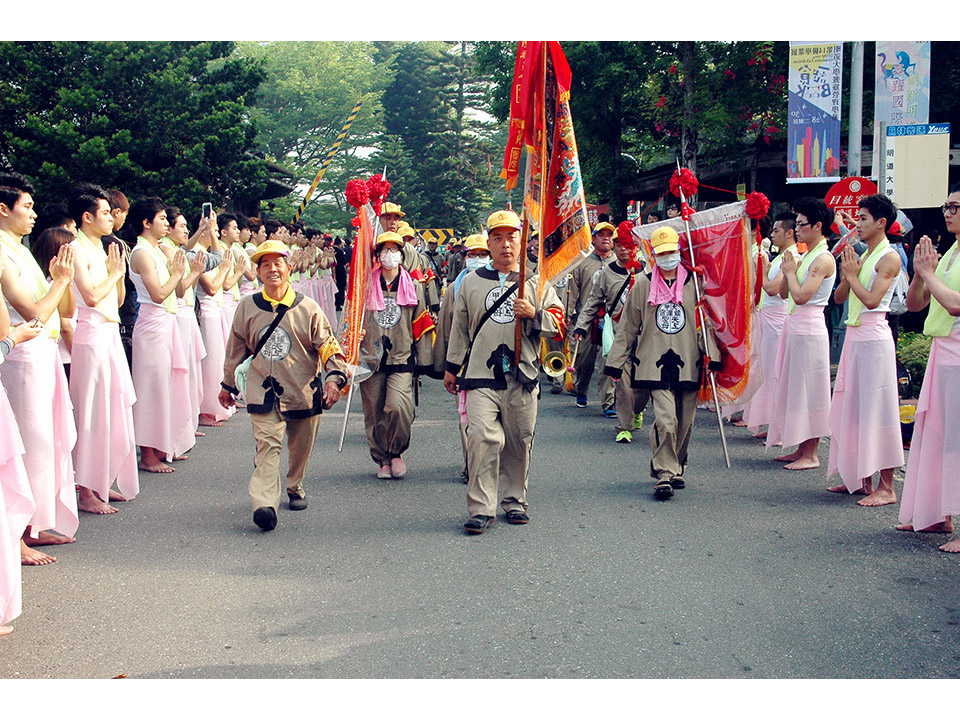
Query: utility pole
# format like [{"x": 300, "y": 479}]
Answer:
[{"x": 855, "y": 134}]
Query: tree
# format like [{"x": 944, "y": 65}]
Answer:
[
  {"x": 157, "y": 118},
  {"x": 309, "y": 91}
]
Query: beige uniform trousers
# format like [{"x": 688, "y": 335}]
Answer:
[
  {"x": 500, "y": 427},
  {"x": 388, "y": 413},
  {"x": 268, "y": 429},
  {"x": 672, "y": 427},
  {"x": 628, "y": 400},
  {"x": 583, "y": 371}
]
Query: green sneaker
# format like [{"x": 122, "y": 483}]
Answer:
[
  {"x": 624, "y": 436},
  {"x": 638, "y": 421}
]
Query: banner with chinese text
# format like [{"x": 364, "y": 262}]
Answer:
[
  {"x": 902, "y": 94},
  {"x": 813, "y": 128}
]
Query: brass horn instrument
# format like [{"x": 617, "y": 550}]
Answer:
[{"x": 555, "y": 363}]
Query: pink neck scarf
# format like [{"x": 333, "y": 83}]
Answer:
[
  {"x": 406, "y": 293},
  {"x": 660, "y": 292}
]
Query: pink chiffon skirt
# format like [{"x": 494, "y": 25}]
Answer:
[
  {"x": 103, "y": 397},
  {"x": 801, "y": 380},
  {"x": 758, "y": 410},
  {"x": 161, "y": 415},
  {"x": 194, "y": 351},
  {"x": 36, "y": 386},
  {"x": 931, "y": 490},
  {"x": 865, "y": 410},
  {"x": 213, "y": 329}
]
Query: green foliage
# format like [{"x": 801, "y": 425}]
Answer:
[
  {"x": 151, "y": 118},
  {"x": 309, "y": 91},
  {"x": 913, "y": 350}
]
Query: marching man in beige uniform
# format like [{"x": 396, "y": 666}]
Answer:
[
  {"x": 284, "y": 392},
  {"x": 658, "y": 332},
  {"x": 400, "y": 332},
  {"x": 607, "y": 299},
  {"x": 580, "y": 285},
  {"x": 499, "y": 398}
]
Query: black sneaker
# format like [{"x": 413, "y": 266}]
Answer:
[
  {"x": 517, "y": 517},
  {"x": 676, "y": 482},
  {"x": 297, "y": 502},
  {"x": 663, "y": 490},
  {"x": 477, "y": 524},
  {"x": 265, "y": 518}
]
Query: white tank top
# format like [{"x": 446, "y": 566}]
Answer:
[
  {"x": 822, "y": 294},
  {"x": 771, "y": 301},
  {"x": 143, "y": 295}
]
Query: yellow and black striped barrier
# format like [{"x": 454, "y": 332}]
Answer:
[{"x": 329, "y": 156}]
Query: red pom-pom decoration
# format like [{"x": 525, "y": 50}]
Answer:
[
  {"x": 757, "y": 205},
  {"x": 625, "y": 234},
  {"x": 357, "y": 193},
  {"x": 355, "y": 222},
  {"x": 378, "y": 187},
  {"x": 684, "y": 180}
]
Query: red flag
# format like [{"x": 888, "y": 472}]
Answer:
[
  {"x": 540, "y": 120},
  {"x": 721, "y": 248}
]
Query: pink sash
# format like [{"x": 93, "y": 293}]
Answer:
[
  {"x": 214, "y": 330},
  {"x": 16, "y": 508},
  {"x": 406, "y": 293}
]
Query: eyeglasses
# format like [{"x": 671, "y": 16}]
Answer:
[
  {"x": 949, "y": 209},
  {"x": 802, "y": 224}
]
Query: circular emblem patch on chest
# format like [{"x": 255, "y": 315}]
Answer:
[
  {"x": 277, "y": 347},
  {"x": 671, "y": 318},
  {"x": 504, "y": 313},
  {"x": 561, "y": 283},
  {"x": 390, "y": 315}
]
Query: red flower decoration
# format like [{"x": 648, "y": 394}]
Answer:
[
  {"x": 685, "y": 181},
  {"x": 625, "y": 234},
  {"x": 377, "y": 205},
  {"x": 662, "y": 101},
  {"x": 357, "y": 193},
  {"x": 730, "y": 74},
  {"x": 355, "y": 222},
  {"x": 757, "y": 205},
  {"x": 378, "y": 187},
  {"x": 673, "y": 69}
]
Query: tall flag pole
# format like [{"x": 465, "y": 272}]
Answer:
[
  {"x": 701, "y": 318},
  {"x": 329, "y": 156}
]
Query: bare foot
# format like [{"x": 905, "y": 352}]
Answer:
[
  {"x": 945, "y": 526},
  {"x": 29, "y": 556},
  {"x": 117, "y": 497},
  {"x": 47, "y": 538},
  {"x": 952, "y": 547},
  {"x": 156, "y": 467},
  {"x": 87, "y": 501},
  {"x": 178, "y": 458},
  {"x": 761, "y": 435},
  {"x": 879, "y": 497},
  {"x": 209, "y": 421},
  {"x": 795, "y": 455},
  {"x": 803, "y": 463},
  {"x": 739, "y": 423},
  {"x": 843, "y": 489},
  {"x": 5, "y": 630},
  {"x": 197, "y": 433}
]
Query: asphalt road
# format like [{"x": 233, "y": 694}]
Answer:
[{"x": 748, "y": 572}]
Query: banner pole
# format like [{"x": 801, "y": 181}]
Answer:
[{"x": 703, "y": 326}]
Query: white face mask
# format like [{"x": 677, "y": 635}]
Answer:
[
  {"x": 390, "y": 258},
  {"x": 668, "y": 262},
  {"x": 474, "y": 263}
]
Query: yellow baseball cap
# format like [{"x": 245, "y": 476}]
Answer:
[
  {"x": 504, "y": 218},
  {"x": 270, "y": 247},
  {"x": 664, "y": 240},
  {"x": 405, "y": 230},
  {"x": 388, "y": 237},
  {"x": 390, "y": 208},
  {"x": 475, "y": 242},
  {"x": 604, "y": 226}
]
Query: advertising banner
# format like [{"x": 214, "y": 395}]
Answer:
[
  {"x": 902, "y": 94},
  {"x": 813, "y": 128}
]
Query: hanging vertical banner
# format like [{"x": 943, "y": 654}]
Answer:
[
  {"x": 813, "y": 131},
  {"x": 902, "y": 94}
]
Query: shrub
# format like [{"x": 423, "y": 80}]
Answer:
[{"x": 913, "y": 349}]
